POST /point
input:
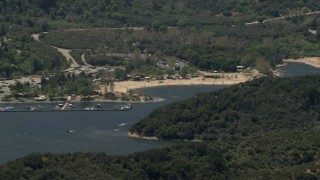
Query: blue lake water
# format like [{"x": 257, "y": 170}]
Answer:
[
  {"x": 298, "y": 69},
  {"x": 24, "y": 133}
]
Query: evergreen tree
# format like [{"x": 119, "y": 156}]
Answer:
[{"x": 2, "y": 30}]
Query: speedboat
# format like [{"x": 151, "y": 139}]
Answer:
[
  {"x": 88, "y": 109},
  {"x": 98, "y": 107},
  {"x": 126, "y": 107},
  {"x": 115, "y": 130},
  {"x": 123, "y": 124},
  {"x": 32, "y": 108},
  {"x": 9, "y": 108},
  {"x": 123, "y": 107},
  {"x": 28, "y": 108}
]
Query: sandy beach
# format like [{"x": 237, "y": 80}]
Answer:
[
  {"x": 206, "y": 78},
  {"x": 227, "y": 79},
  {"x": 312, "y": 61},
  {"x": 135, "y": 135}
]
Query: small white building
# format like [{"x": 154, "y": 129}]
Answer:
[{"x": 240, "y": 68}]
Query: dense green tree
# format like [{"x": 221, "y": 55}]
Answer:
[
  {"x": 166, "y": 163},
  {"x": 263, "y": 66},
  {"x": 184, "y": 72},
  {"x": 2, "y": 30},
  {"x": 120, "y": 74}
]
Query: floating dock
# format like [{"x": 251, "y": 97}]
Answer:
[{"x": 66, "y": 107}]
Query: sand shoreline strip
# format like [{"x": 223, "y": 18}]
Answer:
[
  {"x": 312, "y": 61},
  {"x": 125, "y": 86},
  {"x": 227, "y": 79},
  {"x": 136, "y": 135}
]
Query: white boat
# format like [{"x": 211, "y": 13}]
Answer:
[
  {"x": 32, "y": 108},
  {"x": 98, "y": 107},
  {"x": 123, "y": 124},
  {"x": 9, "y": 108},
  {"x": 123, "y": 107},
  {"x": 88, "y": 108},
  {"x": 126, "y": 107},
  {"x": 40, "y": 98},
  {"x": 115, "y": 130}
]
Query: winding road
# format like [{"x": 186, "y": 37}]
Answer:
[
  {"x": 282, "y": 17},
  {"x": 65, "y": 52},
  {"x": 83, "y": 58},
  {"x": 67, "y": 55}
]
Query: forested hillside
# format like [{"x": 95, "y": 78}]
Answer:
[
  {"x": 147, "y": 12},
  {"x": 207, "y": 48},
  {"x": 21, "y": 55},
  {"x": 183, "y": 162},
  {"x": 247, "y": 160},
  {"x": 211, "y": 35},
  {"x": 262, "y": 106}
]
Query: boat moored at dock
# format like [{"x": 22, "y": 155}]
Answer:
[
  {"x": 34, "y": 108},
  {"x": 66, "y": 107},
  {"x": 124, "y": 107},
  {"x": 9, "y": 108}
]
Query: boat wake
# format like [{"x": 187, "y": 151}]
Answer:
[{"x": 122, "y": 124}]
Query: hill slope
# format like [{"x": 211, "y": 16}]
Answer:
[
  {"x": 210, "y": 35},
  {"x": 262, "y": 106},
  {"x": 143, "y": 12},
  {"x": 192, "y": 161},
  {"x": 167, "y": 163}
]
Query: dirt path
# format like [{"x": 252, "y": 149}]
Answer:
[
  {"x": 69, "y": 58},
  {"x": 121, "y": 28},
  {"x": 135, "y": 28},
  {"x": 64, "y": 52},
  {"x": 83, "y": 58},
  {"x": 282, "y": 17},
  {"x": 313, "y": 31}
]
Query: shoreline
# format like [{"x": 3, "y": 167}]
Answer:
[
  {"x": 136, "y": 135},
  {"x": 224, "y": 79},
  {"x": 155, "y": 99},
  {"x": 312, "y": 61},
  {"x": 282, "y": 65},
  {"x": 124, "y": 86}
]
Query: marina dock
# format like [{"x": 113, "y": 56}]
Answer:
[{"x": 66, "y": 107}]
